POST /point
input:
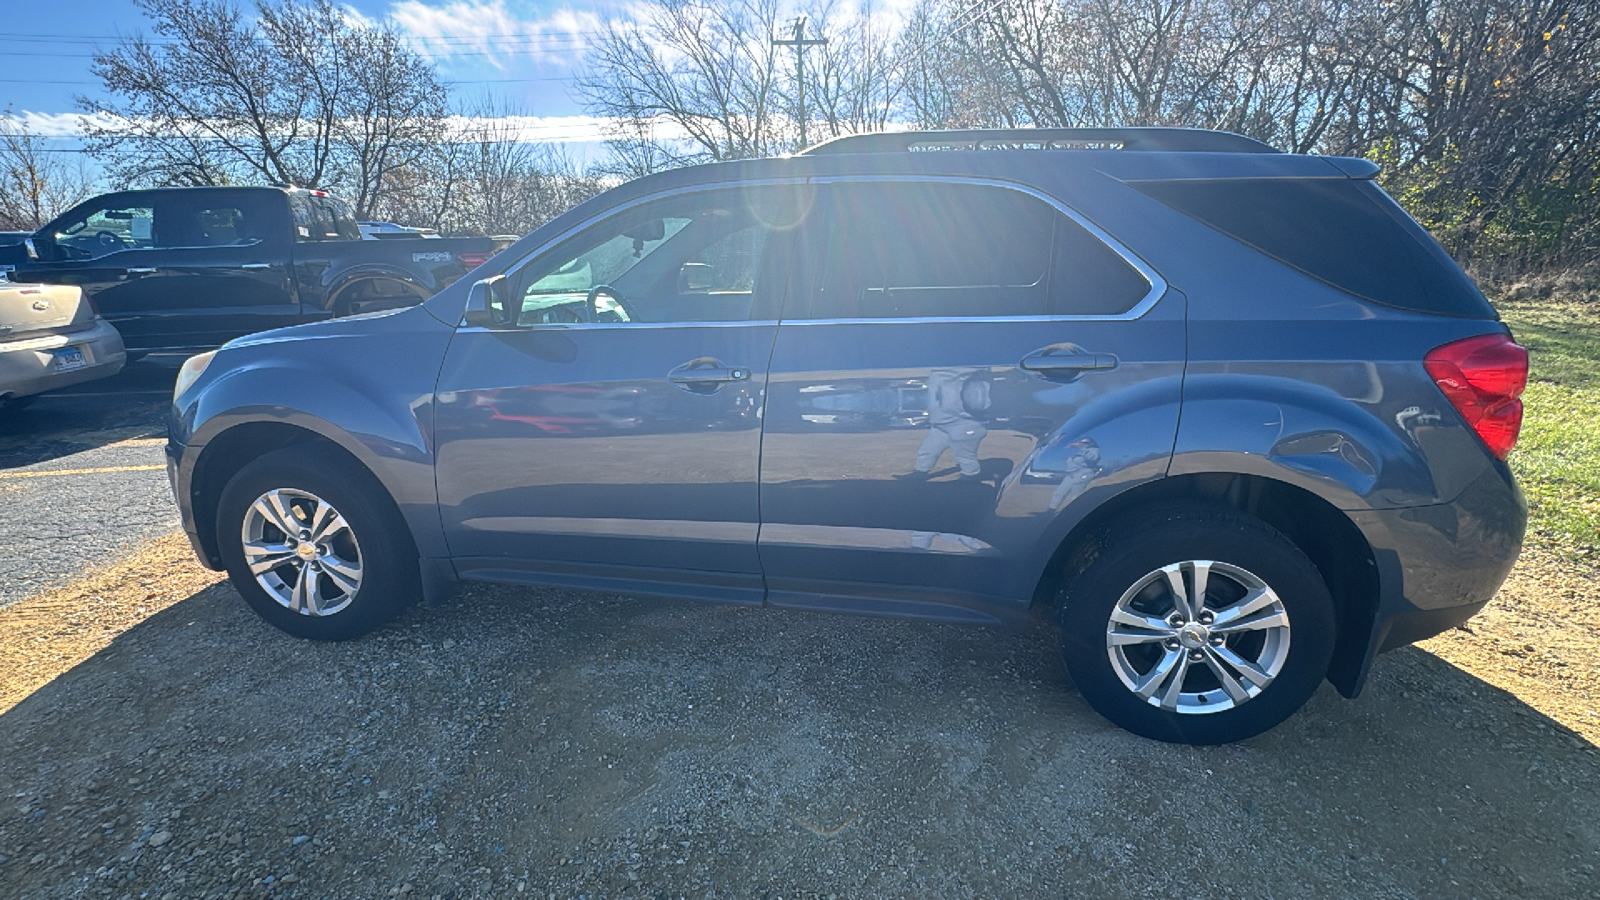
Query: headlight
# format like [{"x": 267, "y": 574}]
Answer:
[{"x": 190, "y": 371}]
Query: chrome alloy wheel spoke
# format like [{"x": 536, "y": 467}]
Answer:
[
  {"x": 346, "y": 576},
  {"x": 264, "y": 556},
  {"x": 304, "y": 598}
]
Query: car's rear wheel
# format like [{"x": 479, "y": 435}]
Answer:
[
  {"x": 313, "y": 547},
  {"x": 1197, "y": 624}
]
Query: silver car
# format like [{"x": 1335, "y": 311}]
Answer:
[{"x": 51, "y": 338}]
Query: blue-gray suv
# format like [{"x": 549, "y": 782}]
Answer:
[{"x": 1227, "y": 416}]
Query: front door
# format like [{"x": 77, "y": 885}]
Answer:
[
  {"x": 975, "y": 360},
  {"x": 611, "y": 435}
]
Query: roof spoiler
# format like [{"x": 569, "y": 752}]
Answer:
[
  {"x": 1168, "y": 139},
  {"x": 1354, "y": 167}
]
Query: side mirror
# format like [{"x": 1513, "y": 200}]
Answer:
[
  {"x": 487, "y": 304},
  {"x": 694, "y": 278},
  {"x": 33, "y": 249}
]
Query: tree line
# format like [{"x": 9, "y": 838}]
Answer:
[{"x": 1485, "y": 114}]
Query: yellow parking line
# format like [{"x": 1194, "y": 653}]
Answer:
[{"x": 81, "y": 471}]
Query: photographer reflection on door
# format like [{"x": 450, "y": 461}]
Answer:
[{"x": 955, "y": 398}]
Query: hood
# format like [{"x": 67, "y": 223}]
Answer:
[{"x": 28, "y": 309}]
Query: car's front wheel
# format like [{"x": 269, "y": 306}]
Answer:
[
  {"x": 311, "y": 546},
  {"x": 1197, "y": 625}
]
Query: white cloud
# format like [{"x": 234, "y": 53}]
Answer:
[
  {"x": 55, "y": 125},
  {"x": 487, "y": 30},
  {"x": 532, "y": 129}
]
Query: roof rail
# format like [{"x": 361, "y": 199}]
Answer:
[{"x": 1171, "y": 139}]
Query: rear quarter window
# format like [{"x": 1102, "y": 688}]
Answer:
[{"x": 1347, "y": 233}]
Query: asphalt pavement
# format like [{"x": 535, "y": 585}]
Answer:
[{"x": 82, "y": 477}]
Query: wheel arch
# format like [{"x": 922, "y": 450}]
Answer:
[
  {"x": 229, "y": 451},
  {"x": 347, "y": 283},
  {"x": 1326, "y": 535}
]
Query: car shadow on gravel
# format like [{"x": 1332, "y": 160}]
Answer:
[{"x": 579, "y": 744}]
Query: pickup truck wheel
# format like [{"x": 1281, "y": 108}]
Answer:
[
  {"x": 374, "y": 294},
  {"x": 312, "y": 548},
  {"x": 1197, "y": 625}
]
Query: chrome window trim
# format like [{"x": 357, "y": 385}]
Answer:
[
  {"x": 1158, "y": 285},
  {"x": 630, "y": 326}
]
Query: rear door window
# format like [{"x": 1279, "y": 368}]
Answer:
[
  {"x": 1349, "y": 234},
  {"x": 210, "y": 219},
  {"x": 951, "y": 250}
]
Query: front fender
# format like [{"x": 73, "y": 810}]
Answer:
[{"x": 367, "y": 386}]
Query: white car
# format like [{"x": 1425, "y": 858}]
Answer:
[{"x": 50, "y": 338}]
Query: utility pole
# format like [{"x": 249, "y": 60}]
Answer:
[{"x": 799, "y": 42}]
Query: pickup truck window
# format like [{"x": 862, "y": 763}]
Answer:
[
  {"x": 206, "y": 220},
  {"x": 106, "y": 229},
  {"x": 322, "y": 219}
]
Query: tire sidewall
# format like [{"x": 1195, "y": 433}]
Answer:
[
  {"x": 388, "y": 563},
  {"x": 1249, "y": 544}
]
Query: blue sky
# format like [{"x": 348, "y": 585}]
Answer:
[{"x": 523, "y": 52}]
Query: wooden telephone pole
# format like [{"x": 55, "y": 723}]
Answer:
[{"x": 799, "y": 42}]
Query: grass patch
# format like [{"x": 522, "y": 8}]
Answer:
[{"x": 1557, "y": 459}]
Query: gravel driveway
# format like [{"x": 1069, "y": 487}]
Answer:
[{"x": 577, "y": 745}]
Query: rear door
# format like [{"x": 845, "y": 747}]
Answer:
[
  {"x": 976, "y": 366},
  {"x": 220, "y": 269},
  {"x": 611, "y": 437}
]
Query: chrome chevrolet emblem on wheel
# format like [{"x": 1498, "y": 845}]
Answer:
[{"x": 1198, "y": 637}]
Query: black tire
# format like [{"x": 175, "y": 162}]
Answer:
[
  {"x": 376, "y": 538},
  {"x": 1248, "y": 550}
]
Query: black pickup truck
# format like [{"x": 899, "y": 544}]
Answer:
[{"x": 191, "y": 268}]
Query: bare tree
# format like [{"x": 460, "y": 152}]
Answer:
[
  {"x": 700, "y": 80},
  {"x": 299, "y": 94},
  {"x": 484, "y": 177},
  {"x": 35, "y": 183}
]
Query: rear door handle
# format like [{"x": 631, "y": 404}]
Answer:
[
  {"x": 706, "y": 374},
  {"x": 1066, "y": 361},
  {"x": 256, "y": 266},
  {"x": 143, "y": 270}
]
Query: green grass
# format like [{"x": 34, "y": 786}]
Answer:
[{"x": 1557, "y": 459}]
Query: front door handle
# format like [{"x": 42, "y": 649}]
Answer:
[
  {"x": 1065, "y": 362},
  {"x": 143, "y": 270},
  {"x": 256, "y": 266},
  {"x": 706, "y": 374}
]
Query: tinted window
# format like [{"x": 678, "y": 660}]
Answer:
[
  {"x": 960, "y": 250},
  {"x": 93, "y": 233},
  {"x": 322, "y": 218},
  {"x": 1347, "y": 233},
  {"x": 703, "y": 257},
  {"x": 208, "y": 219}
]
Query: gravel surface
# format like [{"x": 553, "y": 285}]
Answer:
[{"x": 562, "y": 744}]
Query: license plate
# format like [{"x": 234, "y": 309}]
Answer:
[{"x": 69, "y": 358}]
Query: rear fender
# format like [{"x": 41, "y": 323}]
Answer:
[{"x": 1357, "y": 449}]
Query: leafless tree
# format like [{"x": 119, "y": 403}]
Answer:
[
  {"x": 299, "y": 93},
  {"x": 35, "y": 183},
  {"x": 486, "y": 177}
]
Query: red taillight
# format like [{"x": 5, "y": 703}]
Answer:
[
  {"x": 1483, "y": 378},
  {"x": 473, "y": 258}
]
